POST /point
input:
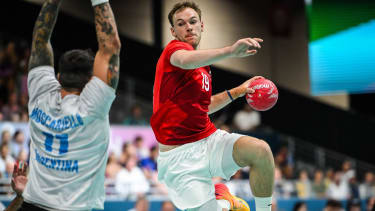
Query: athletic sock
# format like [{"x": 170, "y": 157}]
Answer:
[{"x": 263, "y": 203}]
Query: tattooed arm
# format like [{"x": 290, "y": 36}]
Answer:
[
  {"x": 41, "y": 49},
  {"x": 107, "y": 59}
]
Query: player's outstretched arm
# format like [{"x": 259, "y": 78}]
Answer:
[
  {"x": 41, "y": 49},
  {"x": 194, "y": 59},
  {"x": 222, "y": 99},
  {"x": 107, "y": 59}
]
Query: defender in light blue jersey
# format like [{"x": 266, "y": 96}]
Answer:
[{"x": 69, "y": 125}]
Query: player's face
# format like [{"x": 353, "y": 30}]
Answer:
[{"x": 187, "y": 26}]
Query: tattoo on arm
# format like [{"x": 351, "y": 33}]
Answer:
[
  {"x": 109, "y": 42},
  {"x": 113, "y": 71},
  {"x": 41, "y": 50}
]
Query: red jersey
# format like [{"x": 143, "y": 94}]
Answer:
[{"x": 181, "y": 100}]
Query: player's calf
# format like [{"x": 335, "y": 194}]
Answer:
[{"x": 255, "y": 153}]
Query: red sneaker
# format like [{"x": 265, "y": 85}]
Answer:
[{"x": 236, "y": 204}]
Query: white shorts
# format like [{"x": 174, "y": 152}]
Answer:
[{"x": 187, "y": 170}]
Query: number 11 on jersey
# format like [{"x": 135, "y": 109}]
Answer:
[{"x": 63, "y": 138}]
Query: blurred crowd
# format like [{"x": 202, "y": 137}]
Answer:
[
  {"x": 12, "y": 147},
  {"x": 14, "y": 56}
]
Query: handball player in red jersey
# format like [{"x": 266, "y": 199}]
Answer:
[{"x": 192, "y": 150}]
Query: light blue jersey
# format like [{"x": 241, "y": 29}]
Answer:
[{"x": 69, "y": 143}]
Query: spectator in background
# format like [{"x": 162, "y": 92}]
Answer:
[
  {"x": 246, "y": 120},
  {"x": 149, "y": 164},
  {"x": 4, "y": 158},
  {"x": 3, "y": 94},
  {"x": 8, "y": 60},
  {"x": 136, "y": 117},
  {"x": 284, "y": 159},
  {"x": 18, "y": 143},
  {"x": 23, "y": 51},
  {"x": 329, "y": 177},
  {"x": 347, "y": 171},
  {"x": 333, "y": 205},
  {"x": 128, "y": 150},
  {"x": 130, "y": 181},
  {"x": 149, "y": 167},
  {"x": 167, "y": 206},
  {"x": 5, "y": 136},
  {"x": 338, "y": 189},
  {"x": 353, "y": 188},
  {"x": 283, "y": 188},
  {"x": 24, "y": 116},
  {"x": 303, "y": 185},
  {"x": 13, "y": 76},
  {"x": 300, "y": 206},
  {"x": 349, "y": 177},
  {"x": 367, "y": 188},
  {"x": 23, "y": 101},
  {"x": 318, "y": 186},
  {"x": 113, "y": 167},
  {"x": 142, "y": 151},
  {"x": 370, "y": 204},
  {"x": 288, "y": 172},
  {"x": 11, "y": 110}
]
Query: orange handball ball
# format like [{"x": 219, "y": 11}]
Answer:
[{"x": 265, "y": 95}]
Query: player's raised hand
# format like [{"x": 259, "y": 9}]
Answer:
[
  {"x": 245, "y": 47},
  {"x": 19, "y": 177}
]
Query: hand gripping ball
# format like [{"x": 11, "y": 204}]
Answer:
[{"x": 265, "y": 95}]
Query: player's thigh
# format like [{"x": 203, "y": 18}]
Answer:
[
  {"x": 185, "y": 172},
  {"x": 247, "y": 150},
  {"x": 210, "y": 205},
  {"x": 221, "y": 145}
]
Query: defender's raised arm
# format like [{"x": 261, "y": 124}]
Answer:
[
  {"x": 41, "y": 49},
  {"x": 107, "y": 59}
]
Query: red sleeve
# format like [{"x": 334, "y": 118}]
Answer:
[{"x": 175, "y": 46}]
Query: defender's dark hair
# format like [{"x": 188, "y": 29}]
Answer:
[
  {"x": 182, "y": 5},
  {"x": 76, "y": 68}
]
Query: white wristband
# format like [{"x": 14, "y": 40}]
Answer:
[{"x": 97, "y": 2}]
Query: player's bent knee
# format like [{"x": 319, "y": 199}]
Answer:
[
  {"x": 266, "y": 151},
  {"x": 249, "y": 151}
]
